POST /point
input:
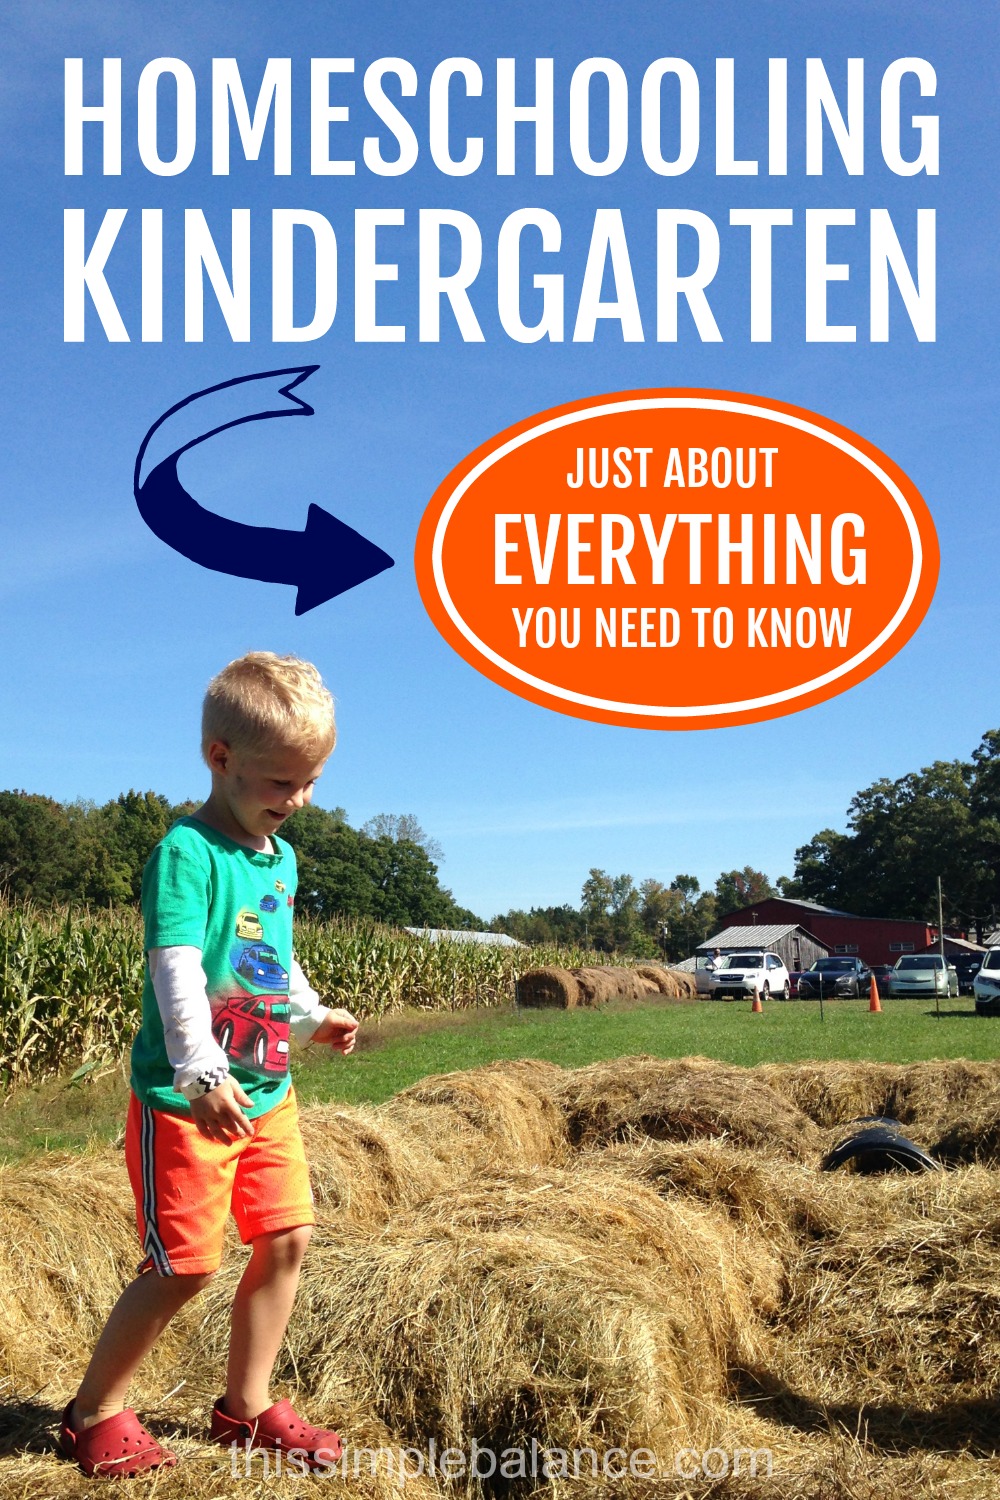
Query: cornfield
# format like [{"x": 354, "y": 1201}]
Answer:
[{"x": 71, "y": 980}]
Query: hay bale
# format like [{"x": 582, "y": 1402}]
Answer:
[
  {"x": 682, "y": 1099},
  {"x": 674, "y": 983},
  {"x": 503, "y": 1115},
  {"x": 366, "y": 1166},
  {"x": 900, "y": 1305},
  {"x": 68, "y": 1246},
  {"x": 566, "y": 988},
  {"x": 954, "y": 1107},
  {"x": 613, "y": 982},
  {"x": 833, "y": 1093},
  {"x": 548, "y": 987},
  {"x": 951, "y": 1108},
  {"x": 369, "y": 1164},
  {"x": 546, "y": 1305},
  {"x": 779, "y": 1203}
]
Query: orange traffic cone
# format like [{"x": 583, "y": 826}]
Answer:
[
  {"x": 874, "y": 1004},
  {"x": 756, "y": 1007}
]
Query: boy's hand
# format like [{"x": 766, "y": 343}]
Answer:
[
  {"x": 218, "y": 1114},
  {"x": 338, "y": 1029}
]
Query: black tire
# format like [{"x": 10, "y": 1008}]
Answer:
[
  {"x": 260, "y": 1048},
  {"x": 786, "y": 993},
  {"x": 226, "y": 1035},
  {"x": 765, "y": 993}
]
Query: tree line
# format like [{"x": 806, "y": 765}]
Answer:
[
  {"x": 648, "y": 920},
  {"x": 942, "y": 821},
  {"x": 68, "y": 853}
]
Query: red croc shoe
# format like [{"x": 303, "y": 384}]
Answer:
[
  {"x": 280, "y": 1429},
  {"x": 117, "y": 1448}
]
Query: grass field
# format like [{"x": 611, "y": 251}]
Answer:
[{"x": 401, "y": 1049}]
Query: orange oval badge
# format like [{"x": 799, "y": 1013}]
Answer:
[{"x": 677, "y": 559}]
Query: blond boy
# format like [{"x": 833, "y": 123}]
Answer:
[{"x": 212, "y": 1124}]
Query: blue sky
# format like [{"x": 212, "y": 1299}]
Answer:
[{"x": 110, "y": 636}]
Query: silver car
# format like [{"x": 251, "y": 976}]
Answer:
[{"x": 923, "y": 974}]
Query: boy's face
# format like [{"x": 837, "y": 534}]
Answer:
[{"x": 260, "y": 791}]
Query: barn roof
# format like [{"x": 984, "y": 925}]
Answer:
[
  {"x": 461, "y": 935},
  {"x": 760, "y": 935}
]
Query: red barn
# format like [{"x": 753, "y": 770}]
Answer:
[{"x": 875, "y": 940}]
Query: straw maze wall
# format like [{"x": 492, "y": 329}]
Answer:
[{"x": 636, "y": 1254}]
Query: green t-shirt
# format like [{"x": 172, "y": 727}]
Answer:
[{"x": 200, "y": 889}]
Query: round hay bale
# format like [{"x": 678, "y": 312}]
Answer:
[
  {"x": 614, "y": 982},
  {"x": 503, "y": 1115},
  {"x": 68, "y": 1245},
  {"x": 900, "y": 1305},
  {"x": 831, "y": 1093},
  {"x": 365, "y": 1166},
  {"x": 682, "y": 1099},
  {"x": 548, "y": 987},
  {"x": 952, "y": 1108},
  {"x": 594, "y": 986},
  {"x": 541, "y": 1307},
  {"x": 781, "y": 1204},
  {"x": 674, "y": 983}
]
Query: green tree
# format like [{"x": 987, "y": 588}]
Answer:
[
  {"x": 549, "y": 924},
  {"x": 984, "y": 805},
  {"x": 942, "y": 821},
  {"x": 735, "y": 889},
  {"x": 407, "y": 892},
  {"x": 611, "y": 907},
  {"x": 402, "y": 827},
  {"x": 331, "y": 860},
  {"x": 39, "y": 859},
  {"x": 128, "y": 829}
]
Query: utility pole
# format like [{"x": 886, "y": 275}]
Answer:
[{"x": 944, "y": 960}]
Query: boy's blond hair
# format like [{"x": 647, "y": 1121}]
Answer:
[{"x": 262, "y": 701}]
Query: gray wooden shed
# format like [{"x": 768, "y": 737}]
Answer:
[{"x": 796, "y": 947}]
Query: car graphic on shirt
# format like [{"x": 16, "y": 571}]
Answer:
[
  {"x": 259, "y": 965},
  {"x": 248, "y": 924},
  {"x": 268, "y": 903},
  {"x": 254, "y": 1032}
]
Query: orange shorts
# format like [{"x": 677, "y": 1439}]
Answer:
[{"x": 185, "y": 1185}]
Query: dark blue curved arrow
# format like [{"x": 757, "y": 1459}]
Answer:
[{"x": 326, "y": 559}]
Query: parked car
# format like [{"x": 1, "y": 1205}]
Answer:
[
  {"x": 759, "y": 973},
  {"x": 967, "y": 966},
  {"x": 923, "y": 974},
  {"x": 986, "y": 985},
  {"x": 880, "y": 973},
  {"x": 705, "y": 966},
  {"x": 834, "y": 977}
]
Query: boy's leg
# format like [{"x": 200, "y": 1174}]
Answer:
[
  {"x": 272, "y": 1203},
  {"x": 182, "y": 1187},
  {"x": 137, "y": 1319},
  {"x": 261, "y": 1309}
]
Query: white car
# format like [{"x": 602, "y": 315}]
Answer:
[
  {"x": 986, "y": 985},
  {"x": 750, "y": 973}
]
